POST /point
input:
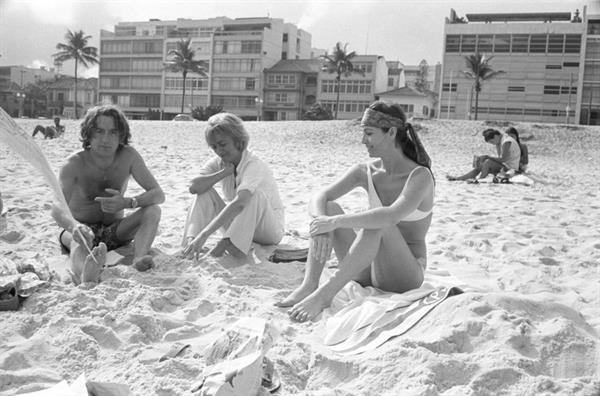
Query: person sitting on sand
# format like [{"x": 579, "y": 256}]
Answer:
[
  {"x": 524, "y": 160},
  {"x": 388, "y": 251},
  {"x": 508, "y": 157},
  {"x": 253, "y": 212},
  {"x": 51, "y": 131},
  {"x": 94, "y": 182}
]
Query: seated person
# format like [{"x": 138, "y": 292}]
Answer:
[
  {"x": 524, "y": 161},
  {"x": 52, "y": 131},
  {"x": 384, "y": 246},
  {"x": 508, "y": 157},
  {"x": 94, "y": 182},
  {"x": 250, "y": 210}
]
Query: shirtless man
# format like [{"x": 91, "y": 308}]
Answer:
[
  {"x": 52, "y": 131},
  {"x": 94, "y": 182}
]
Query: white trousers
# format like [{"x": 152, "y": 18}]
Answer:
[{"x": 257, "y": 222}]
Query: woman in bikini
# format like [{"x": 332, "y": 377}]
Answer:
[{"x": 388, "y": 250}]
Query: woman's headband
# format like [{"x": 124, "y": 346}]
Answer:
[{"x": 380, "y": 120}]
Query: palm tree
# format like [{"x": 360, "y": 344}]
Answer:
[
  {"x": 76, "y": 48},
  {"x": 479, "y": 70},
  {"x": 183, "y": 61},
  {"x": 339, "y": 62}
]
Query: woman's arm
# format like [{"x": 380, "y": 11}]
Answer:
[
  {"x": 203, "y": 183},
  {"x": 350, "y": 180},
  {"x": 416, "y": 189}
]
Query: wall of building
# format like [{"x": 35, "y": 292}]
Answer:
[{"x": 541, "y": 62}]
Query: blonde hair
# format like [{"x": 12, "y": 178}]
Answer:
[{"x": 229, "y": 124}]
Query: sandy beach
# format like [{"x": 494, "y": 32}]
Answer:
[{"x": 528, "y": 323}]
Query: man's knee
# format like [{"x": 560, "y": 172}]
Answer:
[{"x": 151, "y": 214}]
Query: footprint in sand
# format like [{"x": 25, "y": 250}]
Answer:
[{"x": 12, "y": 236}]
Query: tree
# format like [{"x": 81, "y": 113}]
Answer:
[
  {"x": 317, "y": 112},
  {"x": 204, "y": 114},
  {"x": 421, "y": 83},
  {"x": 76, "y": 48},
  {"x": 339, "y": 62},
  {"x": 183, "y": 61},
  {"x": 479, "y": 70}
]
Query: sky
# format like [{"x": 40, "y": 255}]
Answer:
[{"x": 400, "y": 30}]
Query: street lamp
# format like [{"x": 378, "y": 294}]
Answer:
[
  {"x": 21, "y": 97},
  {"x": 258, "y": 102}
]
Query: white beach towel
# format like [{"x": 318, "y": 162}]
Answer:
[{"x": 363, "y": 318}]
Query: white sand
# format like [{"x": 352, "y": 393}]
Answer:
[{"x": 535, "y": 250}]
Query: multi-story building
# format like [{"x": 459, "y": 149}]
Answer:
[
  {"x": 358, "y": 90},
  {"x": 588, "y": 96},
  {"x": 133, "y": 75},
  {"x": 60, "y": 96},
  {"x": 290, "y": 88},
  {"x": 542, "y": 56}
]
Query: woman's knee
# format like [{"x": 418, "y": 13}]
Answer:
[
  {"x": 333, "y": 208},
  {"x": 370, "y": 234}
]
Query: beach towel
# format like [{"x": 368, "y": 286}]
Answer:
[{"x": 363, "y": 318}]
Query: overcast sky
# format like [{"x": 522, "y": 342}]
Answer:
[{"x": 403, "y": 30}]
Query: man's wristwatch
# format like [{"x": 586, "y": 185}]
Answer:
[{"x": 134, "y": 203}]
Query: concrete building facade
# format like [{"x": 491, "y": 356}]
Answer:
[
  {"x": 13, "y": 83},
  {"x": 132, "y": 72},
  {"x": 542, "y": 56}
]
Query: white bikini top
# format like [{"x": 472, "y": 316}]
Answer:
[{"x": 375, "y": 202}]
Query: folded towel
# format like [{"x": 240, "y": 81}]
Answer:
[{"x": 363, "y": 318}]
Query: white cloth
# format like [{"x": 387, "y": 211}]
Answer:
[
  {"x": 513, "y": 157},
  {"x": 251, "y": 174}
]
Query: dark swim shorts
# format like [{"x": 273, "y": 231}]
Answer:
[{"x": 106, "y": 233}]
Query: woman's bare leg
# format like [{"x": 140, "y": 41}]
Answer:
[
  {"x": 342, "y": 240},
  {"x": 394, "y": 269}
]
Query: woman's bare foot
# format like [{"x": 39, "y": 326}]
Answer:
[
  {"x": 143, "y": 263},
  {"x": 296, "y": 296},
  {"x": 311, "y": 306},
  {"x": 92, "y": 269}
]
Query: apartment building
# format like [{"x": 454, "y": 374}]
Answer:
[
  {"x": 132, "y": 72},
  {"x": 357, "y": 91},
  {"x": 60, "y": 96},
  {"x": 290, "y": 88},
  {"x": 542, "y": 56}
]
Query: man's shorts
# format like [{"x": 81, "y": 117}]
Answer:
[{"x": 106, "y": 233}]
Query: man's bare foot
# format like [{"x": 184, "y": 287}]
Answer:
[
  {"x": 92, "y": 269},
  {"x": 143, "y": 263},
  {"x": 311, "y": 306},
  {"x": 296, "y": 296},
  {"x": 225, "y": 245}
]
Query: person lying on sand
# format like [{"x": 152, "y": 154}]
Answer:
[
  {"x": 94, "y": 182},
  {"x": 51, "y": 131},
  {"x": 508, "y": 157},
  {"x": 253, "y": 212},
  {"x": 388, "y": 251},
  {"x": 524, "y": 159}
]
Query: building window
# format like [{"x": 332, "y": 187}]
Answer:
[
  {"x": 452, "y": 43},
  {"x": 553, "y": 67},
  {"x": 594, "y": 26},
  {"x": 556, "y": 43},
  {"x": 551, "y": 89},
  {"x": 250, "y": 84},
  {"x": 251, "y": 47},
  {"x": 502, "y": 43},
  {"x": 570, "y": 64},
  {"x": 468, "y": 42},
  {"x": 446, "y": 87},
  {"x": 285, "y": 37},
  {"x": 390, "y": 82},
  {"x": 514, "y": 88},
  {"x": 284, "y": 55},
  {"x": 520, "y": 43},
  {"x": 538, "y": 43},
  {"x": 485, "y": 43},
  {"x": 565, "y": 90},
  {"x": 572, "y": 43}
]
